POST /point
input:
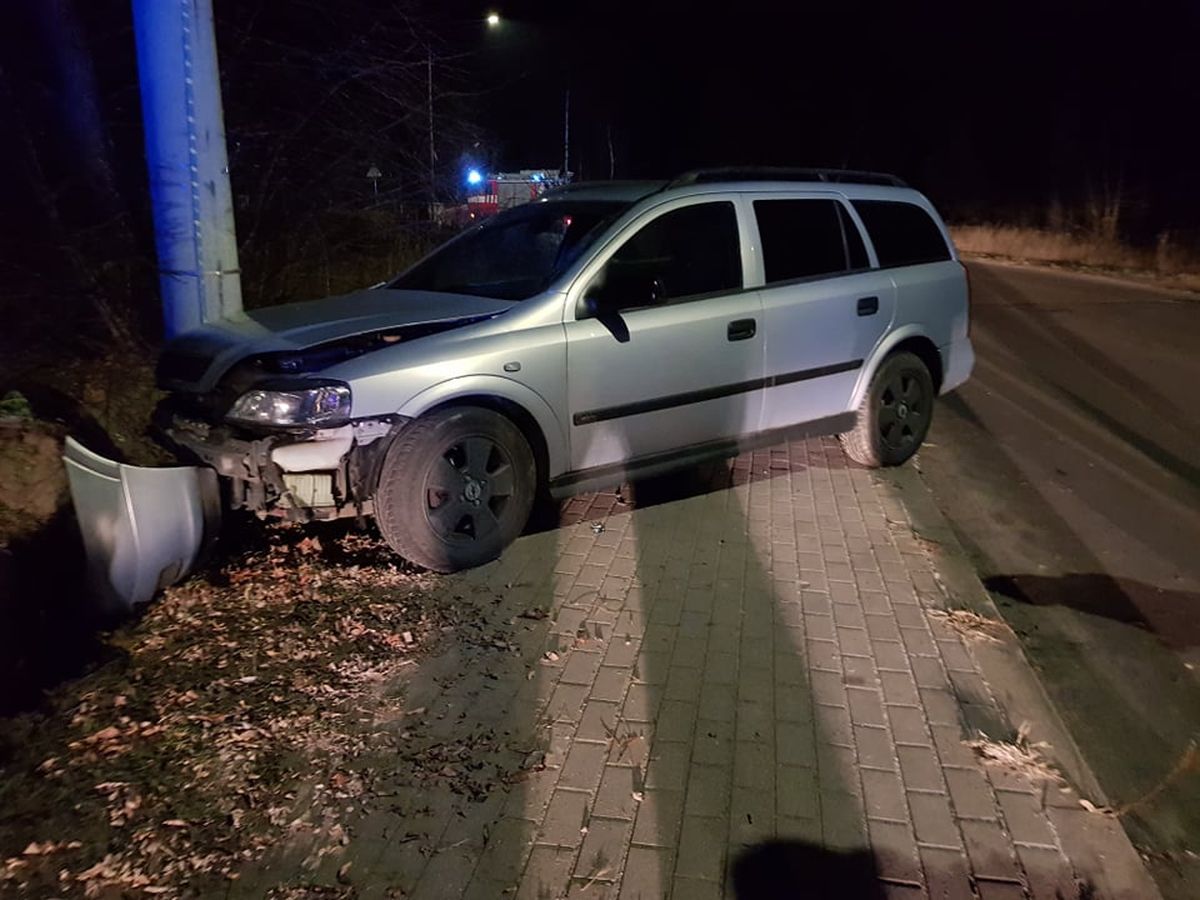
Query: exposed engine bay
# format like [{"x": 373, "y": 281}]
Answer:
[{"x": 314, "y": 474}]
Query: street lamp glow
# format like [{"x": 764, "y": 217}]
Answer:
[
  {"x": 493, "y": 19},
  {"x": 474, "y": 177}
]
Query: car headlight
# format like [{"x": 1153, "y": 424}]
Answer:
[{"x": 325, "y": 404}]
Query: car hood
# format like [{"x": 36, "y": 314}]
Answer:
[{"x": 195, "y": 361}]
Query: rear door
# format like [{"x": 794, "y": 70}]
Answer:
[
  {"x": 664, "y": 343},
  {"x": 930, "y": 285},
  {"x": 824, "y": 307}
]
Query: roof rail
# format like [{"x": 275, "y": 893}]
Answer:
[{"x": 768, "y": 173}]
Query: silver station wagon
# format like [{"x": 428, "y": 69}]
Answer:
[{"x": 602, "y": 333}]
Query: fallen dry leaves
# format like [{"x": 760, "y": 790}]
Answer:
[
  {"x": 171, "y": 765},
  {"x": 971, "y": 625},
  {"x": 1020, "y": 755}
]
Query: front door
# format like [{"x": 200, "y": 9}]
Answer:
[{"x": 665, "y": 350}]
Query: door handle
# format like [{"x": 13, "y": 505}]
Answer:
[
  {"x": 868, "y": 306},
  {"x": 741, "y": 329}
]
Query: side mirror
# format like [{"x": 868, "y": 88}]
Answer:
[
  {"x": 605, "y": 307},
  {"x": 599, "y": 303},
  {"x": 616, "y": 289}
]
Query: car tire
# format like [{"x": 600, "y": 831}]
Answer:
[
  {"x": 455, "y": 488},
  {"x": 894, "y": 415}
]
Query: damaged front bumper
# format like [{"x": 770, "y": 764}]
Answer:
[
  {"x": 143, "y": 529},
  {"x": 298, "y": 475}
]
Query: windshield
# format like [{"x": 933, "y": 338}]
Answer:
[{"x": 516, "y": 254}]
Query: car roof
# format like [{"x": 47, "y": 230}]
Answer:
[
  {"x": 853, "y": 184},
  {"x": 847, "y": 190}
]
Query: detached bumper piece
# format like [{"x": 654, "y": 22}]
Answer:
[{"x": 143, "y": 529}]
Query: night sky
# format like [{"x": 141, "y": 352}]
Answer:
[
  {"x": 998, "y": 112},
  {"x": 995, "y": 110}
]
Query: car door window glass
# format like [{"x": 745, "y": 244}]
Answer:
[
  {"x": 683, "y": 254},
  {"x": 903, "y": 233},
  {"x": 801, "y": 239}
]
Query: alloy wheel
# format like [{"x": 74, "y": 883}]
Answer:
[
  {"x": 903, "y": 411},
  {"x": 467, "y": 489}
]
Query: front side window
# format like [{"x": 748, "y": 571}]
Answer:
[
  {"x": 514, "y": 255},
  {"x": 903, "y": 233},
  {"x": 684, "y": 254}
]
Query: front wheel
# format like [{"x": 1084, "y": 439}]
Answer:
[
  {"x": 894, "y": 415},
  {"x": 455, "y": 489}
]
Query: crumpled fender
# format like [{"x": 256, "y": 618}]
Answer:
[{"x": 143, "y": 528}]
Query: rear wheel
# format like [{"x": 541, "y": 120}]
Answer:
[
  {"x": 456, "y": 487},
  {"x": 894, "y": 416}
]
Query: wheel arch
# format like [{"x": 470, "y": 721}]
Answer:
[
  {"x": 519, "y": 404},
  {"x": 909, "y": 339}
]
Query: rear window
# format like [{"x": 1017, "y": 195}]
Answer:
[{"x": 903, "y": 233}]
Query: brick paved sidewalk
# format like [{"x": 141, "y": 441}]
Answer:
[{"x": 735, "y": 691}]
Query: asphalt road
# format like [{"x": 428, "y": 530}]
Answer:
[{"x": 1070, "y": 467}]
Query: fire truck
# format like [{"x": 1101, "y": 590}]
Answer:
[{"x": 491, "y": 193}]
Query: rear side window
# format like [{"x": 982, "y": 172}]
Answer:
[
  {"x": 903, "y": 233},
  {"x": 688, "y": 252}
]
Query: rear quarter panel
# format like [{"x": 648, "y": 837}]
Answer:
[
  {"x": 931, "y": 302},
  {"x": 931, "y": 298}
]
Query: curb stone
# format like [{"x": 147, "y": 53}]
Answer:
[{"x": 1022, "y": 697}]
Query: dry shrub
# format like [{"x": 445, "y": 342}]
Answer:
[
  {"x": 1092, "y": 249},
  {"x": 1171, "y": 257},
  {"x": 1042, "y": 245}
]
